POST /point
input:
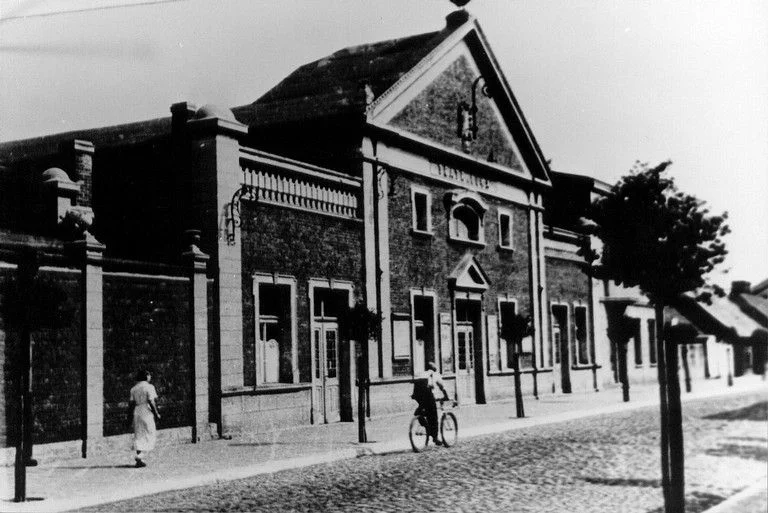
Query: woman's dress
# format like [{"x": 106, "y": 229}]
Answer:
[{"x": 144, "y": 430}]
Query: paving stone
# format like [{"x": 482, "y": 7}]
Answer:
[{"x": 597, "y": 464}]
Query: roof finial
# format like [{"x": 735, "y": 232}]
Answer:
[{"x": 459, "y": 16}]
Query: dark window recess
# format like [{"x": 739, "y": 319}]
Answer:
[
  {"x": 505, "y": 231},
  {"x": 582, "y": 335},
  {"x": 638, "y": 343},
  {"x": 652, "y": 341},
  {"x": 506, "y": 316},
  {"x": 330, "y": 303},
  {"x": 275, "y": 325},
  {"x": 424, "y": 319},
  {"x": 560, "y": 334},
  {"x": 420, "y": 211},
  {"x": 467, "y": 223}
]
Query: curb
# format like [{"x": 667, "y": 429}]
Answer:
[
  {"x": 372, "y": 449},
  {"x": 739, "y": 502}
]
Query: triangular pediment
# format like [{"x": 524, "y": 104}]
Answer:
[
  {"x": 434, "y": 115},
  {"x": 468, "y": 275},
  {"x": 432, "y": 104}
]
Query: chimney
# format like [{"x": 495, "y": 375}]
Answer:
[
  {"x": 84, "y": 170},
  {"x": 740, "y": 287}
]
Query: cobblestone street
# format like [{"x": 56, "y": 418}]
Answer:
[{"x": 606, "y": 463}]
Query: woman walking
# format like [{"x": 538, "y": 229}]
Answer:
[{"x": 144, "y": 413}]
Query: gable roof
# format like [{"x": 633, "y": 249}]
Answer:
[
  {"x": 339, "y": 86},
  {"x": 722, "y": 318},
  {"x": 334, "y": 85}
]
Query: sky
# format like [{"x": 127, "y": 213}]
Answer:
[{"x": 601, "y": 83}]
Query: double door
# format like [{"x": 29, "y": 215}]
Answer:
[{"x": 325, "y": 339}]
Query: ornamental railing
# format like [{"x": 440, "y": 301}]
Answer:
[{"x": 275, "y": 180}]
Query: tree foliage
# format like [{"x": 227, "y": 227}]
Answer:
[{"x": 654, "y": 236}]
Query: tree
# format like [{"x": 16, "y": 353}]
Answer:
[
  {"x": 361, "y": 324},
  {"x": 665, "y": 242},
  {"x": 521, "y": 327}
]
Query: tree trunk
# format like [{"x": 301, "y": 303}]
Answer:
[
  {"x": 622, "y": 353},
  {"x": 662, "y": 374},
  {"x": 686, "y": 370},
  {"x": 362, "y": 391},
  {"x": 676, "y": 501},
  {"x": 518, "y": 392}
]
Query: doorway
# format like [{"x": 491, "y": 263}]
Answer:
[
  {"x": 469, "y": 369},
  {"x": 327, "y": 347}
]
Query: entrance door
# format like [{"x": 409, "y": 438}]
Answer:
[
  {"x": 327, "y": 393},
  {"x": 465, "y": 368}
]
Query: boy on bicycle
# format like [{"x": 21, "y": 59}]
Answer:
[{"x": 427, "y": 399}]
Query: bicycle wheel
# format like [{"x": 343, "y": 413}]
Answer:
[
  {"x": 449, "y": 429},
  {"x": 417, "y": 434}
]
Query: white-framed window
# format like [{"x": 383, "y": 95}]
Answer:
[
  {"x": 421, "y": 210},
  {"x": 424, "y": 326},
  {"x": 507, "y": 310},
  {"x": 560, "y": 333},
  {"x": 276, "y": 349},
  {"x": 505, "y": 219},
  {"x": 581, "y": 335},
  {"x": 466, "y": 217}
]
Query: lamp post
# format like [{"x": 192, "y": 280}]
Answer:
[
  {"x": 27, "y": 271},
  {"x": 618, "y": 334}
]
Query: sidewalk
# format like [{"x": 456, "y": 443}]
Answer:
[{"x": 74, "y": 483}]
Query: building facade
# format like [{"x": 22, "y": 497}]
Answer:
[{"x": 225, "y": 249}]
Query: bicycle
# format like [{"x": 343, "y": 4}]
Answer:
[{"x": 448, "y": 427}]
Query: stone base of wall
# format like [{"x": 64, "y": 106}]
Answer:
[
  {"x": 257, "y": 412},
  {"x": 108, "y": 445},
  {"x": 390, "y": 398}
]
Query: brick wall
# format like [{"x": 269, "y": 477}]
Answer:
[
  {"x": 146, "y": 326},
  {"x": 56, "y": 356},
  {"x": 432, "y": 115},
  {"x": 419, "y": 261},
  {"x": 301, "y": 244}
]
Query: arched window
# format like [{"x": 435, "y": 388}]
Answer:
[
  {"x": 466, "y": 223},
  {"x": 466, "y": 217}
]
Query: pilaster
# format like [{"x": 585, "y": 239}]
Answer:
[
  {"x": 212, "y": 177},
  {"x": 197, "y": 263},
  {"x": 89, "y": 252}
]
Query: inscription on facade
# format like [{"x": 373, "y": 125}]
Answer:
[{"x": 451, "y": 173}]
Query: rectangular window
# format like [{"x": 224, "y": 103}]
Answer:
[
  {"x": 582, "y": 334},
  {"x": 421, "y": 205},
  {"x": 274, "y": 344},
  {"x": 652, "y": 341},
  {"x": 401, "y": 346},
  {"x": 465, "y": 347},
  {"x": 560, "y": 338},
  {"x": 446, "y": 343},
  {"x": 423, "y": 316},
  {"x": 638, "y": 342},
  {"x": 505, "y": 230}
]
